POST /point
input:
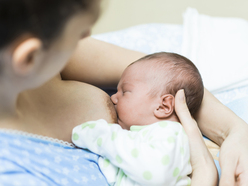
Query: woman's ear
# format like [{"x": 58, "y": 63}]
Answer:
[
  {"x": 166, "y": 107},
  {"x": 23, "y": 55}
]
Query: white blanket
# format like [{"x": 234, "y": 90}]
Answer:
[{"x": 219, "y": 48}]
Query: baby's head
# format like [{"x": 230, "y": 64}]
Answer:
[{"x": 148, "y": 86}]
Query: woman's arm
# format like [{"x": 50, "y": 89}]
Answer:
[
  {"x": 215, "y": 120},
  {"x": 204, "y": 170},
  {"x": 220, "y": 124},
  {"x": 98, "y": 63}
]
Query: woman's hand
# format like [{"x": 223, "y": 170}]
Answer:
[
  {"x": 234, "y": 158},
  {"x": 204, "y": 170}
]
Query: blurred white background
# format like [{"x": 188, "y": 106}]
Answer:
[{"x": 119, "y": 14}]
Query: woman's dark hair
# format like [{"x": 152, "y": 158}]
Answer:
[{"x": 41, "y": 18}]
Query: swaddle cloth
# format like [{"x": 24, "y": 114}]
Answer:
[{"x": 156, "y": 154}]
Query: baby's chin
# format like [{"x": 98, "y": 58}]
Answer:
[{"x": 123, "y": 125}]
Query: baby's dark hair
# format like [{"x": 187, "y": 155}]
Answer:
[
  {"x": 179, "y": 73},
  {"x": 41, "y": 18}
]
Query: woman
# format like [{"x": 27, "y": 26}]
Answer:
[{"x": 37, "y": 40}]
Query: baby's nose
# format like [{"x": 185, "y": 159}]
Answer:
[{"x": 114, "y": 98}]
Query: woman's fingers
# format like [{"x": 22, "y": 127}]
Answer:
[
  {"x": 227, "y": 173},
  {"x": 198, "y": 148},
  {"x": 204, "y": 171},
  {"x": 183, "y": 111},
  {"x": 233, "y": 159},
  {"x": 188, "y": 123}
]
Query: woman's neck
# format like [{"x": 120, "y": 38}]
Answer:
[
  {"x": 8, "y": 111},
  {"x": 7, "y": 104}
]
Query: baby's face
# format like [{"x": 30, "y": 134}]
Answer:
[{"x": 132, "y": 101}]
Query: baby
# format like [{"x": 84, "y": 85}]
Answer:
[{"x": 148, "y": 146}]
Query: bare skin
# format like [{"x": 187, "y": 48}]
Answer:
[{"x": 62, "y": 106}]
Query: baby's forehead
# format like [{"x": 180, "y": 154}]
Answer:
[
  {"x": 150, "y": 66},
  {"x": 135, "y": 72},
  {"x": 139, "y": 72},
  {"x": 142, "y": 64}
]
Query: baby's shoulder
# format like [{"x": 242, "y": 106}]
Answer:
[
  {"x": 167, "y": 125},
  {"x": 165, "y": 129}
]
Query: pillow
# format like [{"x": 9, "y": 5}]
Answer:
[
  {"x": 218, "y": 47},
  {"x": 147, "y": 38}
]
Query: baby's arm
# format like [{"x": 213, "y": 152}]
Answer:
[{"x": 154, "y": 155}]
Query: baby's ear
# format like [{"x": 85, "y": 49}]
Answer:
[{"x": 166, "y": 107}]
